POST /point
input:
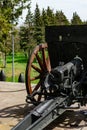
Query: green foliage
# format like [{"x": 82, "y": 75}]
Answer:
[
  {"x": 33, "y": 31},
  {"x": 26, "y": 40},
  {"x": 85, "y": 22},
  {"x": 38, "y": 35},
  {"x": 23, "y": 37},
  {"x": 50, "y": 16},
  {"x": 44, "y": 18},
  {"x": 10, "y": 10},
  {"x": 26, "y": 33},
  {"x": 29, "y": 17},
  {"x": 76, "y": 19},
  {"x": 37, "y": 26},
  {"x": 37, "y": 17},
  {"x": 4, "y": 28},
  {"x": 60, "y": 18}
]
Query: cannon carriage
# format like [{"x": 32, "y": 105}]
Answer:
[
  {"x": 63, "y": 44},
  {"x": 60, "y": 68}
]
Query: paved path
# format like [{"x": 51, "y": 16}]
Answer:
[{"x": 13, "y": 108}]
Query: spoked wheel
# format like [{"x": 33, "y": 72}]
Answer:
[{"x": 37, "y": 67}]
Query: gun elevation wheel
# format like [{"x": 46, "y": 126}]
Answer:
[{"x": 37, "y": 67}]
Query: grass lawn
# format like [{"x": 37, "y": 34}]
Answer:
[{"x": 20, "y": 62}]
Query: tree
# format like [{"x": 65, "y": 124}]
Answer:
[
  {"x": 37, "y": 17},
  {"x": 23, "y": 38},
  {"x": 44, "y": 18},
  {"x": 10, "y": 10},
  {"x": 4, "y": 28},
  {"x": 30, "y": 27},
  {"x": 38, "y": 26},
  {"x": 85, "y": 22},
  {"x": 60, "y": 18},
  {"x": 76, "y": 20},
  {"x": 44, "y": 23},
  {"x": 13, "y": 8},
  {"x": 50, "y": 16}
]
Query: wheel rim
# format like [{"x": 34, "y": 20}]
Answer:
[{"x": 37, "y": 68}]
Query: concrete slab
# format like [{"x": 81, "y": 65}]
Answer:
[{"x": 13, "y": 106}]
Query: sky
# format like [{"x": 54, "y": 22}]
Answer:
[{"x": 67, "y": 6}]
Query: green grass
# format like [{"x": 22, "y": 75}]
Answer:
[{"x": 20, "y": 62}]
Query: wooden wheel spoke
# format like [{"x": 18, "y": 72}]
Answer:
[
  {"x": 35, "y": 78},
  {"x": 40, "y": 61},
  {"x": 36, "y": 68},
  {"x": 37, "y": 86},
  {"x": 39, "y": 97},
  {"x": 44, "y": 58},
  {"x": 35, "y": 71},
  {"x": 48, "y": 64}
]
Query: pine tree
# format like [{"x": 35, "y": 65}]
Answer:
[
  {"x": 44, "y": 23},
  {"x": 38, "y": 26},
  {"x": 61, "y": 19},
  {"x": 23, "y": 38},
  {"x": 30, "y": 27},
  {"x": 76, "y": 20},
  {"x": 44, "y": 18},
  {"x": 50, "y": 16},
  {"x": 37, "y": 17},
  {"x": 10, "y": 10},
  {"x": 85, "y": 22}
]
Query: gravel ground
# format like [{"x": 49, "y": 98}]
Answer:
[{"x": 13, "y": 108}]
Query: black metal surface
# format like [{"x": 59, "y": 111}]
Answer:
[
  {"x": 65, "y": 42},
  {"x": 39, "y": 119},
  {"x": 64, "y": 84}
]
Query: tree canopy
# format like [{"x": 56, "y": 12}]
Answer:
[
  {"x": 33, "y": 30},
  {"x": 10, "y": 10},
  {"x": 76, "y": 19},
  {"x": 36, "y": 22}
]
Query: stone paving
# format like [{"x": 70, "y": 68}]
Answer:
[{"x": 13, "y": 108}]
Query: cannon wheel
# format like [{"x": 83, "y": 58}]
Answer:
[{"x": 37, "y": 67}]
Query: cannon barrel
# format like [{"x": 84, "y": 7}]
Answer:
[
  {"x": 58, "y": 74},
  {"x": 65, "y": 79}
]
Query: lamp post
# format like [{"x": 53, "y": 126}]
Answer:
[
  {"x": 12, "y": 35},
  {"x": 13, "y": 77}
]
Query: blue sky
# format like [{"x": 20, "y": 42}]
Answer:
[{"x": 67, "y": 6}]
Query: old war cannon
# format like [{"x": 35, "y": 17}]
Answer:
[
  {"x": 64, "y": 43},
  {"x": 61, "y": 74}
]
